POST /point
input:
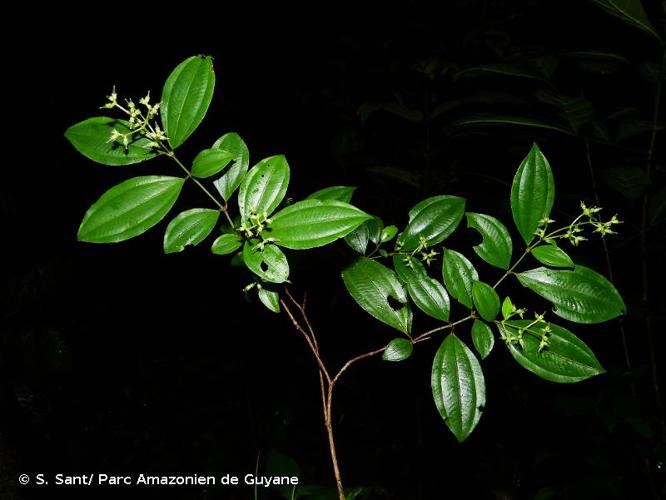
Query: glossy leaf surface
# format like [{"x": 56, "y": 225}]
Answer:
[
  {"x": 431, "y": 221},
  {"x": 186, "y": 96},
  {"x": 459, "y": 275},
  {"x": 496, "y": 246},
  {"x": 228, "y": 182},
  {"x": 314, "y": 223},
  {"x": 580, "y": 295},
  {"x": 458, "y": 387},
  {"x": 371, "y": 284},
  {"x": 566, "y": 359},
  {"x": 130, "y": 208},
  {"x": 189, "y": 228},
  {"x": 532, "y": 193},
  {"x": 91, "y": 138}
]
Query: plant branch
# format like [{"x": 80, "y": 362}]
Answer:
[
  {"x": 515, "y": 264},
  {"x": 448, "y": 326},
  {"x": 354, "y": 360},
  {"x": 221, "y": 206},
  {"x": 313, "y": 348}
]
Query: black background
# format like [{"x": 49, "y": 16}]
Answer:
[{"x": 120, "y": 359}]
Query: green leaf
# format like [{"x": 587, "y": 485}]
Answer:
[
  {"x": 580, "y": 295},
  {"x": 226, "y": 244},
  {"x": 130, "y": 208},
  {"x": 431, "y": 221},
  {"x": 314, "y": 223},
  {"x": 263, "y": 187},
  {"x": 375, "y": 228},
  {"x": 532, "y": 193},
  {"x": 388, "y": 233},
  {"x": 91, "y": 138},
  {"x": 483, "y": 338},
  {"x": 507, "y": 307},
  {"x": 269, "y": 263},
  {"x": 398, "y": 350},
  {"x": 186, "y": 96},
  {"x": 566, "y": 359},
  {"x": 211, "y": 161},
  {"x": 189, "y": 228},
  {"x": 629, "y": 11},
  {"x": 631, "y": 182},
  {"x": 270, "y": 299},
  {"x": 496, "y": 246},
  {"x": 552, "y": 255},
  {"x": 227, "y": 184},
  {"x": 458, "y": 386},
  {"x": 486, "y": 300},
  {"x": 371, "y": 285},
  {"x": 428, "y": 294},
  {"x": 459, "y": 275},
  {"x": 339, "y": 193},
  {"x": 484, "y": 120},
  {"x": 358, "y": 238}
]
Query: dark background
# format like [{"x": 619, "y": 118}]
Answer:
[{"x": 120, "y": 359}]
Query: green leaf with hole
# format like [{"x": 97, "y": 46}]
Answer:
[
  {"x": 580, "y": 295},
  {"x": 486, "y": 300},
  {"x": 532, "y": 193},
  {"x": 482, "y": 338},
  {"x": 210, "y": 162},
  {"x": 130, "y": 208},
  {"x": 226, "y": 244},
  {"x": 552, "y": 255},
  {"x": 270, "y": 299},
  {"x": 91, "y": 138},
  {"x": 428, "y": 294},
  {"x": 378, "y": 291},
  {"x": 264, "y": 187},
  {"x": 431, "y": 221},
  {"x": 189, "y": 228},
  {"x": 186, "y": 96},
  {"x": 458, "y": 387},
  {"x": 314, "y": 223},
  {"x": 339, "y": 193},
  {"x": 496, "y": 246},
  {"x": 629, "y": 11},
  {"x": 228, "y": 182},
  {"x": 566, "y": 359},
  {"x": 398, "y": 350},
  {"x": 459, "y": 275},
  {"x": 269, "y": 263}
]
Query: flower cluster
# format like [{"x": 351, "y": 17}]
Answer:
[
  {"x": 138, "y": 122},
  {"x": 573, "y": 232},
  {"x": 255, "y": 226},
  {"x": 538, "y": 328}
]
